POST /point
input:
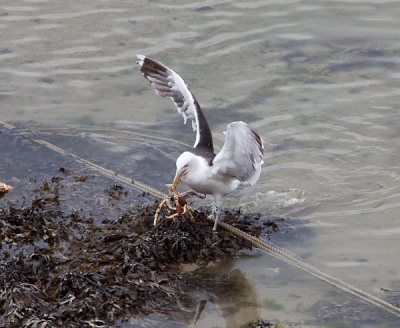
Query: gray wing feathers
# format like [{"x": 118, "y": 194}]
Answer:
[
  {"x": 166, "y": 83},
  {"x": 241, "y": 156}
]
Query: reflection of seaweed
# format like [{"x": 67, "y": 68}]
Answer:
[{"x": 229, "y": 290}]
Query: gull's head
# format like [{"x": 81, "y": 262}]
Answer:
[{"x": 184, "y": 165}]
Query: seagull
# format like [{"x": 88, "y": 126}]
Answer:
[{"x": 239, "y": 160}]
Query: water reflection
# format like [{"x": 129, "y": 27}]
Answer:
[
  {"x": 318, "y": 81},
  {"x": 223, "y": 290},
  {"x": 223, "y": 296}
]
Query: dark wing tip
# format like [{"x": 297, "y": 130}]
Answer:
[
  {"x": 167, "y": 83},
  {"x": 151, "y": 67},
  {"x": 258, "y": 139}
]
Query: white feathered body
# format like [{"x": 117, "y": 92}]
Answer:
[{"x": 203, "y": 178}]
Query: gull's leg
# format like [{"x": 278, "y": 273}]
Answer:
[
  {"x": 218, "y": 200},
  {"x": 217, "y": 218}
]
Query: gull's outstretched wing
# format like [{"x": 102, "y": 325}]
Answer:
[
  {"x": 167, "y": 83},
  {"x": 241, "y": 156}
]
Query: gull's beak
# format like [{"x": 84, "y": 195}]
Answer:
[{"x": 178, "y": 176}]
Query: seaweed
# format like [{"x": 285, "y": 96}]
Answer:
[{"x": 62, "y": 269}]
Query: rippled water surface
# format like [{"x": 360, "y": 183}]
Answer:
[{"x": 318, "y": 80}]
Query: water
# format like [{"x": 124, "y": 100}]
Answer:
[{"x": 318, "y": 80}]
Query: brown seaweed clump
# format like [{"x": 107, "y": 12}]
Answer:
[{"x": 66, "y": 270}]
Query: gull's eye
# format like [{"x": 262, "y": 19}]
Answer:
[{"x": 186, "y": 165}]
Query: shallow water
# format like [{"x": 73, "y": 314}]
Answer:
[{"x": 318, "y": 81}]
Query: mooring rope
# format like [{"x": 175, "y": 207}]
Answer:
[
  {"x": 340, "y": 284},
  {"x": 313, "y": 270}
]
